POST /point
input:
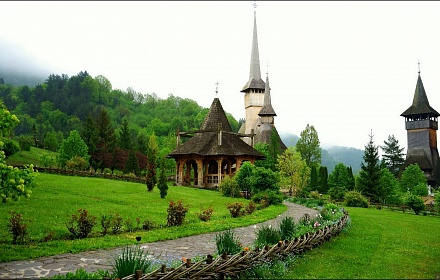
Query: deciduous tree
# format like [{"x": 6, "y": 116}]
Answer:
[
  {"x": 294, "y": 171},
  {"x": 308, "y": 146},
  {"x": 73, "y": 146}
]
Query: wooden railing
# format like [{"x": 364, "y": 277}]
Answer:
[{"x": 232, "y": 265}]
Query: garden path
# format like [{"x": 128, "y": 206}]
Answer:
[{"x": 169, "y": 250}]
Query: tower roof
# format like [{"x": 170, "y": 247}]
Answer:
[
  {"x": 420, "y": 103},
  {"x": 216, "y": 118},
  {"x": 255, "y": 81},
  {"x": 206, "y": 141},
  {"x": 267, "y": 109}
]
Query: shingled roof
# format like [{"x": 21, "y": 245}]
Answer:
[
  {"x": 420, "y": 104},
  {"x": 267, "y": 109},
  {"x": 206, "y": 141}
]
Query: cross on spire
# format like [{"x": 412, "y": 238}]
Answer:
[
  {"x": 216, "y": 88},
  {"x": 255, "y": 5},
  {"x": 418, "y": 62}
]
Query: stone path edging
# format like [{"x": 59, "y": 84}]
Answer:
[{"x": 92, "y": 261}]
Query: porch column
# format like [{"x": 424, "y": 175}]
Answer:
[
  {"x": 180, "y": 172},
  {"x": 219, "y": 165},
  {"x": 200, "y": 172}
]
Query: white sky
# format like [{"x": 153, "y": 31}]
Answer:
[{"x": 344, "y": 67}]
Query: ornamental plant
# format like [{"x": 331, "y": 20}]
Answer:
[
  {"x": 176, "y": 213},
  {"x": 80, "y": 225},
  {"x": 205, "y": 214},
  {"x": 236, "y": 209},
  {"x": 227, "y": 242},
  {"x": 266, "y": 235},
  {"x": 17, "y": 228}
]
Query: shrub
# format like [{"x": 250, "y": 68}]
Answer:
[
  {"x": 106, "y": 221},
  {"x": 227, "y": 242},
  {"x": 116, "y": 223},
  {"x": 130, "y": 260},
  {"x": 77, "y": 163},
  {"x": 337, "y": 192},
  {"x": 273, "y": 197},
  {"x": 205, "y": 214},
  {"x": 287, "y": 228},
  {"x": 267, "y": 235},
  {"x": 17, "y": 228},
  {"x": 25, "y": 143},
  {"x": 129, "y": 225},
  {"x": 263, "y": 204},
  {"x": 250, "y": 208},
  {"x": 81, "y": 225},
  {"x": 176, "y": 213},
  {"x": 355, "y": 199},
  {"x": 229, "y": 187},
  {"x": 305, "y": 220},
  {"x": 236, "y": 209},
  {"x": 47, "y": 160},
  {"x": 415, "y": 203},
  {"x": 148, "y": 225},
  {"x": 314, "y": 195}
]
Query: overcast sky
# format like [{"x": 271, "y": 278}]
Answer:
[{"x": 344, "y": 67}]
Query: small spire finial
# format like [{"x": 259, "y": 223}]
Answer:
[
  {"x": 255, "y": 6},
  {"x": 418, "y": 62},
  {"x": 216, "y": 88}
]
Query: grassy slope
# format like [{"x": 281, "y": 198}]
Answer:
[
  {"x": 56, "y": 198},
  {"x": 379, "y": 244},
  {"x": 28, "y": 157}
]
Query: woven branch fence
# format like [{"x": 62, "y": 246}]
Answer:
[{"x": 230, "y": 266}]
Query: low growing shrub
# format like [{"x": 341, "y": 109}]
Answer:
[
  {"x": 106, "y": 220},
  {"x": 81, "y": 225},
  {"x": 205, "y": 214},
  {"x": 306, "y": 220},
  {"x": 148, "y": 225},
  {"x": 355, "y": 199},
  {"x": 287, "y": 228},
  {"x": 17, "y": 227},
  {"x": 116, "y": 223},
  {"x": 236, "y": 209},
  {"x": 266, "y": 235},
  {"x": 250, "y": 208},
  {"x": 227, "y": 242},
  {"x": 131, "y": 259},
  {"x": 176, "y": 213},
  {"x": 229, "y": 187},
  {"x": 415, "y": 203},
  {"x": 82, "y": 274},
  {"x": 271, "y": 196}
]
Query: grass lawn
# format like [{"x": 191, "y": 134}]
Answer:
[
  {"x": 56, "y": 198},
  {"x": 379, "y": 244},
  {"x": 29, "y": 157}
]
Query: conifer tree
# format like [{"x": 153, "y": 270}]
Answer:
[
  {"x": 393, "y": 156},
  {"x": 132, "y": 164},
  {"x": 369, "y": 175},
  {"x": 314, "y": 178},
  {"x": 323, "y": 179},
  {"x": 162, "y": 183},
  {"x": 125, "y": 141}
]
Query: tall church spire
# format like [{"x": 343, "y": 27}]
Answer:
[
  {"x": 255, "y": 81},
  {"x": 267, "y": 109}
]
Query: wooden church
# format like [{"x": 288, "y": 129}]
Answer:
[
  {"x": 215, "y": 151},
  {"x": 421, "y": 126}
]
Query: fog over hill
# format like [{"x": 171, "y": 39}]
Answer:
[{"x": 18, "y": 68}]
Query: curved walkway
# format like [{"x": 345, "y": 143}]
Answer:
[{"x": 169, "y": 250}]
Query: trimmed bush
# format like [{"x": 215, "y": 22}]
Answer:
[
  {"x": 205, "y": 214},
  {"x": 415, "y": 203},
  {"x": 176, "y": 213},
  {"x": 229, "y": 187},
  {"x": 355, "y": 199},
  {"x": 236, "y": 209},
  {"x": 273, "y": 197}
]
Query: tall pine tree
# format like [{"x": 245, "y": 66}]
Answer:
[
  {"x": 369, "y": 175},
  {"x": 323, "y": 179},
  {"x": 393, "y": 156}
]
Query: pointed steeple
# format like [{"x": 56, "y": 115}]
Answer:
[
  {"x": 216, "y": 118},
  {"x": 420, "y": 103},
  {"x": 255, "y": 81},
  {"x": 267, "y": 109}
]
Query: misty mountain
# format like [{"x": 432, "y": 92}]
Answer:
[
  {"x": 333, "y": 155},
  {"x": 18, "y": 68}
]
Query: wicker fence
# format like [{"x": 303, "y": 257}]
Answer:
[{"x": 230, "y": 266}]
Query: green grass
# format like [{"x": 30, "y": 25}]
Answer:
[
  {"x": 379, "y": 244},
  {"x": 56, "y": 198},
  {"x": 28, "y": 157}
]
